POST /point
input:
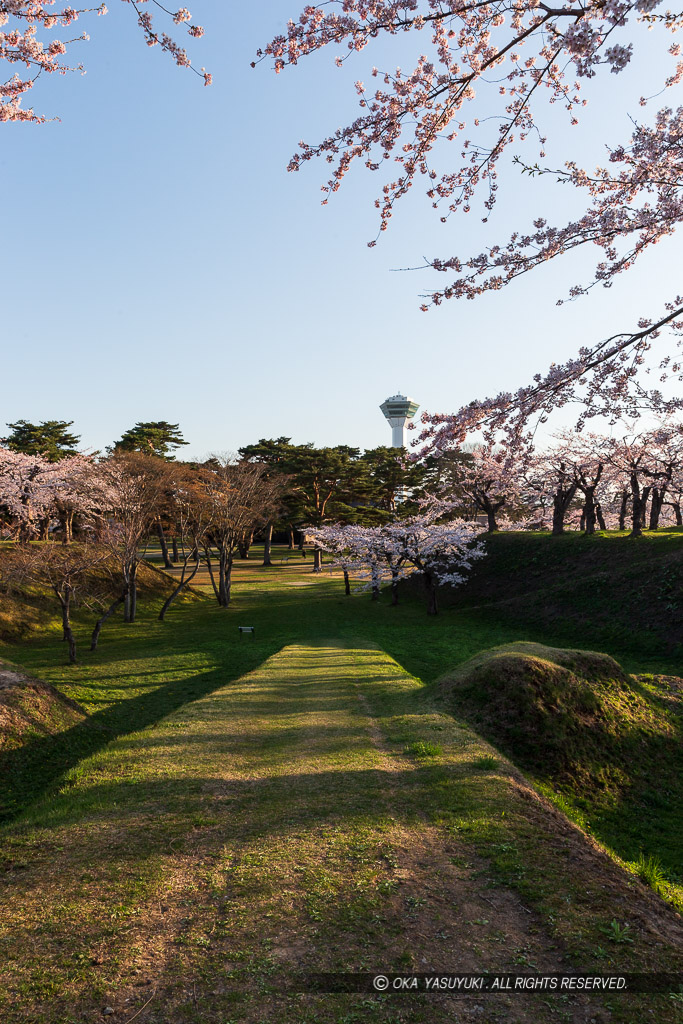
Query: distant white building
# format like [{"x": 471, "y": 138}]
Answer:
[{"x": 398, "y": 410}]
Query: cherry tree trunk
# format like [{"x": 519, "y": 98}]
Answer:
[
  {"x": 430, "y": 587},
  {"x": 102, "y": 619},
  {"x": 209, "y": 566},
  {"x": 658, "y": 495},
  {"x": 623, "y": 509},
  {"x": 224, "y": 578},
  {"x": 639, "y": 507},
  {"x": 184, "y": 582},
  {"x": 561, "y": 501},
  {"x": 130, "y": 574},
  {"x": 317, "y": 560},
  {"x": 67, "y": 520},
  {"x": 394, "y": 587},
  {"x": 244, "y": 545},
  {"x": 267, "y": 544},
  {"x": 168, "y": 564},
  {"x": 347, "y": 583},
  {"x": 65, "y": 602},
  {"x": 589, "y": 511}
]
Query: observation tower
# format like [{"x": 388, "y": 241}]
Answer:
[{"x": 398, "y": 410}]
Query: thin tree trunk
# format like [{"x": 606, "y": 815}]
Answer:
[
  {"x": 623, "y": 509},
  {"x": 174, "y": 543},
  {"x": 209, "y": 566},
  {"x": 168, "y": 564},
  {"x": 131, "y": 601},
  {"x": 394, "y": 587},
  {"x": 347, "y": 583},
  {"x": 103, "y": 618},
  {"x": 600, "y": 517},
  {"x": 430, "y": 587},
  {"x": 317, "y": 560},
  {"x": 290, "y": 537},
  {"x": 65, "y": 602},
  {"x": 223, "y": 594},
  {"x": 67, "y": 519},
  {"x": 134, "y": 594},
  {"x": 181, "y": 586},
  {"x": 267, "y": 544},
  {"x": 375, "y": 584}
]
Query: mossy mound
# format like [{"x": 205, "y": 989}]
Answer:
[
  {"x": 568, "y": 716},
  {"x": 30, "y": 708}
]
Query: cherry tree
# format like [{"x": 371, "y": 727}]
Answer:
[
  {"x": 479, "y": 79},
  {"x": 346, "y": 542},
  {"x": 634, "y": 458},
  {"x": 492, "y": 477},
  {"x": 240, "y": 497},
  {"x": 131, "y": 487},
  {"x": 27, "y": 40},
  {"x": 26, "y": 493},
  {"x": 590, "y": 471},
  {"x": 193, "y": 518},
  {"x": 69, "y": 573},
  {"x": 441, "y": 551}
]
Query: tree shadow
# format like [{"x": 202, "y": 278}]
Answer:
[{"x": 29, "y": 770}]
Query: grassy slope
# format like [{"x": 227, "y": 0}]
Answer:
[
  {"x": 608, "y": 744},
  {"x": 623, "y": 595},
  {"x": 31, "y": 709},
  {"x": 320, "y": 813}
]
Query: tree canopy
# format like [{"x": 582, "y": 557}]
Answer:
[
  {"x": 156, "y": 438},
  {"x": 50, "y": 438},
  {"x": 28, "y": 41},
  {"x": 479, "y": 80}
]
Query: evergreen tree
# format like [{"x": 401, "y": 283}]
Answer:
[
  {"x": 51, "y": 439},
  {"x": 152, "y": 439}
]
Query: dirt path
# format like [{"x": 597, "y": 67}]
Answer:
[{"x": 316, "y": 815}]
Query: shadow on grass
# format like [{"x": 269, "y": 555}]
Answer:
[{"x": 28, "y": 771}]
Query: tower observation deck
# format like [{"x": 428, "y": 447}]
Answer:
[{"x": 398, "y": 410}]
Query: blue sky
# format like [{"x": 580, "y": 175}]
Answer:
[{"x": 162, "y": 264}]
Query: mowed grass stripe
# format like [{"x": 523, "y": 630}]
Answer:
[{"x": 318, "y": 813}]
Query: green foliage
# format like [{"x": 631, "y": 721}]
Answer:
[
  {"x": 423, "y": 749},
  {"x": 51, "y": 439},
  {"x": 616, "y": 932},
  {"x": 154, "y": 438},
  {"x": 649, "y": 868}
]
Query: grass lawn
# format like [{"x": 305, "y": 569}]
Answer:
[
  {"x": 316, "y": 814},
  {"x": 236, "y": 809}
]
